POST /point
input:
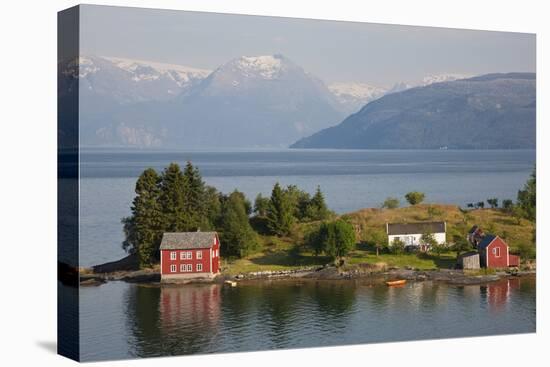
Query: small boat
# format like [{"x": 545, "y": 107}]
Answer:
[
  {"x": 396, "y": 282},
  {"x": 231, "y": 283}
]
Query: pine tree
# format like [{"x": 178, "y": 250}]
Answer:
[
  {"x": 317, "y": 208},
  {"x": 261, "y": 205},
  {"x": 144, "y": 228},
  {"x": 172, "y": 200},
  {"x": 527, "y": 198},
  {"x": 280, "y": 213},
  {"x": 335, "y": 239},
  {"x": 237, "y": 236},
  {"x": 194, "y": 196},
  {"x": 213, "y": 206}
]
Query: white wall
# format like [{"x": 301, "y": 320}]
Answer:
[{"x": 439, "y": 237}]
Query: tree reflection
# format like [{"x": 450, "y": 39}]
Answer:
[{"x": 334, "y": 299}]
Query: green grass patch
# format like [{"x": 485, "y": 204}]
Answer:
[{"x": 416, "y": 261}]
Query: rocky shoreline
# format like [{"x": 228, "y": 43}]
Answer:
[{"x": 454, "y": 277}]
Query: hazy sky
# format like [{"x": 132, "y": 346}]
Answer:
[{"x": 334, "y": 51}]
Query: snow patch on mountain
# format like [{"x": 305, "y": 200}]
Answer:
[
  {"x": 267, "y": 67},
  {"x": 356, "y": 90},
  {"x": 142, "y": 70},
  {"x": 440, "y": 78},
  {"x": 353, "y": 95}
]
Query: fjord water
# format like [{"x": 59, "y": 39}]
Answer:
[
  {"x": 350, "y": 180},
  {"x": 121, "y": 320}
]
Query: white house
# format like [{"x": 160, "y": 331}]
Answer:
[{"x": 410, "y": 233}]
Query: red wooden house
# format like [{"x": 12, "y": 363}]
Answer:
[
  {"x": 189, "y": 255},
  {"x": 494, "y": 253}
]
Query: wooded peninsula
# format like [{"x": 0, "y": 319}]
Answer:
[{"x": 293, "y": 229}]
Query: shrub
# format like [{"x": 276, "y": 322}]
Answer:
[
  {"x": 391, "y": 203},
  {"x": 415, "y": 197}
]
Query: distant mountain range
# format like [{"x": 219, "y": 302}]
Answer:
[
  {"x": 257, "y": 101},
  {"x": 263, "y": 101},
  {"x": 494, "y": 111}
]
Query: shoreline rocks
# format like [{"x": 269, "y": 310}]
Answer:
[{"x": 327, "y": 272}]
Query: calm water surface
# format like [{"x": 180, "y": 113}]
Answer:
[
  {"x": 120, "y": 320},
  {"x": 350, "y": 179}
]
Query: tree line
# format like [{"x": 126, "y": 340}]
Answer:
[
  {"x": 178, "y": 200},
  {"x": 525, "y": 205}
]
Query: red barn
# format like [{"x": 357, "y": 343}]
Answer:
[
  {"x": 189, "y": 255},
  {"x": 494, "y": 253}
]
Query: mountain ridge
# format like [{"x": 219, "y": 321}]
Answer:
[{"x": 491, "y": 111}]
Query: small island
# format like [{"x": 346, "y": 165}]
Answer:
[{"x": 293, "y": 233}]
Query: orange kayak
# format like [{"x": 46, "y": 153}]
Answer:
[{"x": 396, "y": 282}]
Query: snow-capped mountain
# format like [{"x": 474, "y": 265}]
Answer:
[
  {"x": 250, "y": 101},
  {"x": 256, "y": 101},
  {"x": 183, "y": 76},
  {"x": 440, "y": 78},
  {"x": 352, "y": 95},
  {"x": 131, "y": 81}
]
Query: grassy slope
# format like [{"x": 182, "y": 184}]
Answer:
[{"x": 289, "y": 253}]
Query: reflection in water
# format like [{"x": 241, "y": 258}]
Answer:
[
  {"x": 293, "y": 314},
  {"x": 497, "y": 294},
  {"x": 173, "y": 320}
]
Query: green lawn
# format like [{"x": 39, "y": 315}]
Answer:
[{"x": 416, "y": 261}]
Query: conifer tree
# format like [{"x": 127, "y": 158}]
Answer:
[
  {"x": 172, "y": 200},
  {"x": 194, "y": 198},
  {"x": 527, "y": 198},
  {"x": 280, "y": 213},
  {"x": 144, "y": 228},
  {"x": 261, "y": 205},
  {"x": 237, "y": 236},
  {"x": 317, "y": 208}
]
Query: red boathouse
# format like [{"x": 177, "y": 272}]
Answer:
[
  {"x": 494, "y": 253},
  {"x": 189, "y": 255}
]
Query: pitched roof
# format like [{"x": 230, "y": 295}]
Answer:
[
  {"x": 415, "y": 228},
  {"x": 486, "y": 241},
  {"x": 187, "y": 240}
]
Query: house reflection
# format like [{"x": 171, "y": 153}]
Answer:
[
  {"x": 173, "y": 320},
  {"x": 497, "y": 294}
]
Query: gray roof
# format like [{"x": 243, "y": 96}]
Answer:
[
  {"x": 187, "y": 240},
  {"x": 415, "y": 228}
]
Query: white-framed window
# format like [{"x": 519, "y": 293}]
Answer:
[
  {"x": 189, "y": 255},
  {"x": 182, "y": 268},
  {"x": 199, "y": 254},
  {"x": 173, "y": 268},
  {"x": 173, "y": 255},
  {"x": 182, "y": 255},
  {"x": 496, "y": 251},
  {"x": 189, "y": 267},
  {"x": 199, "y": 267}
]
